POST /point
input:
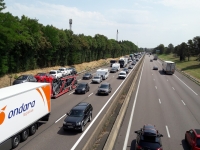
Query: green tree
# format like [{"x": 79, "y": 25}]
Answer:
[{"x": 2, "y": 5}]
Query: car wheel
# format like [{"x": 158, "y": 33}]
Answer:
[
  {"x": 32, "y": 129},
  {"x": 82, "y": 128},
  {"x": 90, "y": 118},
  {"x": 24, "y": 135},
  {"x": 15, "y": 141}
]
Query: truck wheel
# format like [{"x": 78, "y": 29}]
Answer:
[
  {"x": 32, "y": 129},
  {"x": 15, "y": 141},
  {"x": 24, "y": 135}
]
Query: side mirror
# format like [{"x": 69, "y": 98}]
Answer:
[
  {"x": 67, "y": 114},
  {"x": 136, "y": 132},
  {"x": 161, "y": 135}
]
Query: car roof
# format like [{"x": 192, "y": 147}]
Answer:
[
  {"x": 122, "y": 71},
  {"x": 82, "y": 83},
  {"x": 53, "y": 70},
  {"x": 105, "y": 83},
  {"x": 80, "y": 106},
  {"x": 197, "y": 131}
]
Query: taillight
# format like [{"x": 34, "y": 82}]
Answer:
[
  {"x": 139, "y": 147},
  {"x": 159, "y": 149}
]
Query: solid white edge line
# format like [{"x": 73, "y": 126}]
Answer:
[
  {"x": 90, "y": 95},
  {"x": 132, "y": 113},
  {"x": 167, "y": 131},
  {"x": 71, "y": 93},
  {"x": 89, "y": 126},
  {"x": 183, "y": 102},
  {"x": 60, "y": 118},
  {"x": 173, "y": 88},
  {"x": 159, "y": 101},
  {"x": 185, "y": 84}
]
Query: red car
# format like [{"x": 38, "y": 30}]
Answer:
[
  {"x": 44, "y": 77},
  {"x": 192, "y": 138}
]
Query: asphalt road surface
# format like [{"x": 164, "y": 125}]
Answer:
[
  {"x": 51, "y": 135},
  {"x": 170, "y": 102}
]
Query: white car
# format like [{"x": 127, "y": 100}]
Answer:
[
  {"x": 64, "y": 71},
  {"x": 97, "y": 79},
  {"x": 56, "y": 73},
  {"x": 122, "y": 75}
]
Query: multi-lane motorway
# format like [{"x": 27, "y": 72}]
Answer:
[
  {"x": 170, "y": 102},
  {"x": 51, "y": 135}
]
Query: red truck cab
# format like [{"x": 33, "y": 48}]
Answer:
[{"x": 192, "y": 138}]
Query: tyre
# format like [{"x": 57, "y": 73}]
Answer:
[
  {"x": 32, "y": 129},
  {"x": 15, "y": 141},
  {"x": 24, "y": 135},
  {"x": 82, "y": 128},
  {"x": 90, "y": 118}
]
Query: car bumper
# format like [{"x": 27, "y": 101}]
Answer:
[
  {"x": 71, "y": 127},
  {"x": 103, "y": 92},
  {"x": 79, "y": 92}
]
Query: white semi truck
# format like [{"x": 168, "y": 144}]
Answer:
[
  {"x": 22, "y": 106},
  {"x": 123, "y": 61},
  {"x": 168, "y": 67}
]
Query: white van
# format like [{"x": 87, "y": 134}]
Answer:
[
  {"x": 104, "y": 73},
  {"x": 168, "y": 67},
  {"x": 116, "y": 65}
]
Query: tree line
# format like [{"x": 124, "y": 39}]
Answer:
[
  {"x": 184, "y": 50},
  {"x": 26, "y": 44}
]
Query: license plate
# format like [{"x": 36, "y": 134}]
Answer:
[{"x": 70, "y": 126}]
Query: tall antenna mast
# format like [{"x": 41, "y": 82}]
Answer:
[
  {"x": 70, "y": 24},
  {"x": 117, "y": 35}
]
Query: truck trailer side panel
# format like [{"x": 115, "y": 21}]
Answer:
[{"x": 22, "y": 105}]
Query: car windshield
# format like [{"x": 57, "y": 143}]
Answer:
[
  {"x": 81, "y": 86},
  {"x": 41, "y": 74},
  {"x": 76, "y": 113},
  {"x": 61, "y": 69},
  {"x": 87, "y": 74},
  {"x": 125, "y": 69},
  {"x": 122, "y": 73},
  {"x": 198, "y": 142},
  {"x": 96, "y": 77},
  {"x": 103, "y": 86},
  {"x": 52, "y": 72},
  {"x": 23, "y": 77}
]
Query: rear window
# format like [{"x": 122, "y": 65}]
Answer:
[
  {"x": 61, "y": 69},
  {"x": 96, "y": 77},
  {"x": 122, "y": 74},
  {"x": 52, "y": 72},
  {"x": 81, "y": 86},
  {"x": 104, "y": 86}
]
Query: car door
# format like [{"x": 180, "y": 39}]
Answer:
[
  {"x": 110, "y": 88},
  {"x": 86, "y": 116}
]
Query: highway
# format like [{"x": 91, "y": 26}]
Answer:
[
  {"x": 51, "y": 135},
  {"x": 170, "y": 102}
]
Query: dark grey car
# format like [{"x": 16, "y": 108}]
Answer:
[
  {"x": 87, "y": 76},
  {"x": 82, "y": 88},
  {"x": 104, "y": 88},
  {"x": 25, "y": 78}
]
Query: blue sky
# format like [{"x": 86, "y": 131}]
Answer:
[{"x": 147, "y": 23}]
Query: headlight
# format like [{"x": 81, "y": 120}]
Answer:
[
  {"x": 23, "y": 81},
  {"x": 83, "y": 89},
  {"x": 64, "y": 122},
  {"x": 78, "y": 123}
]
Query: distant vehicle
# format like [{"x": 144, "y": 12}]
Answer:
[
  {"x": 116, "y": 65},
  {"x": 64, "y": 71},
  {"x": 123, "y": 62},
  {"x": 168, "y": 67},
  {"x": 40, "y": 76},
  {"x": 112, "y": 62},
  {"x": 155, "y": 68},
  {"x": 22, "y": 107},
  {"x": 56, "y": 73},
  {"x": 130, "y": 67},
  {"x": 78, "y": 117},
  {"x": 155, "y": 57},
  {"x": 104, "y": 73},
  {"x": 151, "y": 60},
  {"x": 126, "y": 70},
  {"x": 122, "y": 75},
  {"x": 148, "y": 138},
  {"x": 104, "y": 88},
  {"x": 133, "y": 63},
  {"x": 82, "y": 88},
  {"x": 87, "y": 76},
  {"x": 192, "y": 138},
  {"x": 113, "y": 70},
  {"x": 97, "y": 79},
  {"x": 24, "y": 78},
  {"x": 72, "y": 71}
]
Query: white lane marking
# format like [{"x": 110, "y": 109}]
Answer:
[
  {"x": 132, "y": 113},
  {"x": 60, "y": 118},
  {"x": 167, "y": 80},
  {"x": 185, "y": 84},
  {"x": 90, "y": 125},
  {"x": 90, "y": 95},
  {"x": 173, "y": 88},
  {"x": 78, "y": 79},
  {"x": 113, "y": 76},
  {"x": 152, "y": 74},
  {"x": 154, "y": 79},
  {"x": 183, "y": 102},
  {"x": 159, "y": 101},
  {"x": 156, "y": 87},
  {"x": 71, "y": 93},
  {"x": 168, "y": 132}
]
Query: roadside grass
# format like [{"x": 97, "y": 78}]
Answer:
[{"x": 191, "y": 67}]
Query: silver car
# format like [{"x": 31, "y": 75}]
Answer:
[{"x": 97, "y": 79}]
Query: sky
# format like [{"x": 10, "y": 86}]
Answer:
[{"x": 146, "y": 23}]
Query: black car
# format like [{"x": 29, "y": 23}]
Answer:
[
  {"x": 126, "y": 70},
  {"x": 148, "y": 138},
  {"x": 130, "y": 67},
  {"x": 133, "y": 63},
  {"x": 73, "y": 70},
  {"x": 25, "y": 78},
  {"x": 104, "y": 88},
  {"x": 78, "y": 117},
  {"x": 155, "y": 68},
  {"x": 87, "y": 76},
  {"x": 82, "y": 88},
  {"x": 113, "y": 70}
]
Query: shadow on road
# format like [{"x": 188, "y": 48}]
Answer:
[
  {"x": 132, "y": 147},
  {"x": 68, "y": 132},
  {"x": 161, "y": 72},
  {"x": 184, "y": 144}
]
